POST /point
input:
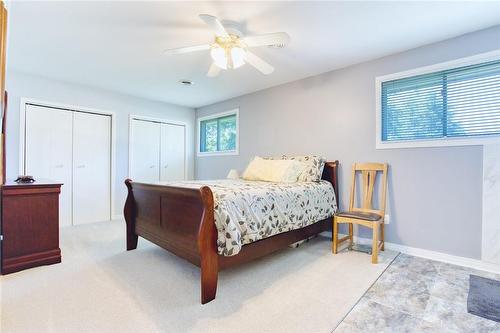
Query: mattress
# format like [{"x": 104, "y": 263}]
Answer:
[{"x": 247, "y": 211}]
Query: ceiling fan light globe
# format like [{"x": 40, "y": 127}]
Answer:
[
  {"x": 218, "y": 54},
  {"x": 238, "y": 56}
]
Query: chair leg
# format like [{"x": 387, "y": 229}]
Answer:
[
  {"x": 350, "y": 234},
  {"x": 335, "y": 235},
  {"x": 382, "y": 235},
  {"x": 375, "y": 226}
]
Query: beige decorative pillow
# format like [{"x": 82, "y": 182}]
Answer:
[
  {"x": 286, "y": 171},
  {"x": 313, "y": 167}
]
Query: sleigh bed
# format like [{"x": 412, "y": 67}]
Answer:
[{"x": 182, "y": 221}]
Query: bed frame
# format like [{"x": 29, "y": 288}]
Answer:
[{"x": 181, "y": 220}]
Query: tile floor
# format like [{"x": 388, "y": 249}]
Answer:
[{"x": 418, "y": 295}]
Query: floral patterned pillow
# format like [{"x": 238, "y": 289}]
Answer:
[{"x": 313, "y": 167}]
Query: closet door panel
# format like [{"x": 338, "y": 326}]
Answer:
[
  {"x": 172, "y": 153},
  {"x": 91, "y": 168},
  {"x": 49, "y": 152},
  {"x": 145, "y": 148}
]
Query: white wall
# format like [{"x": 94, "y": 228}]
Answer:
[
  {"x": 435, "y": 194},
  {"x": 25, "y": 85}
]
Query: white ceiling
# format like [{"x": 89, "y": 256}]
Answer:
[{"x": 118, "y": 45}]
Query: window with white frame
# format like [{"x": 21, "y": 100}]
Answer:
[
  {"x": 451, "y": 106},
  {"x": 218, "y": 134}
]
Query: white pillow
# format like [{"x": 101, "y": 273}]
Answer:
[
  {"x": 286, "y": 171},
  {"x": 313, "y": 166}
]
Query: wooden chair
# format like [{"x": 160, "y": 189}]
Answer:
[{"x": 366, "y": 215}]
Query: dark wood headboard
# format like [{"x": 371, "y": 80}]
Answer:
[{"x": 330, "y": 173}]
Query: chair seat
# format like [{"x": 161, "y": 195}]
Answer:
[{"x": 360, "y": 215}]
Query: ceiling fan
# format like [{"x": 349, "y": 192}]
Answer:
[{"x": 229, "y": 49}]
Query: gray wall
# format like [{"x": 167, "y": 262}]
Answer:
[
  {"x": 435, "y": 194},
  {"x": 24, "y": 85}
]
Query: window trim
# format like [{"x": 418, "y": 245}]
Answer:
[
  {"x": 236, "y": 112},
  {"x": 442, "y": 142}
]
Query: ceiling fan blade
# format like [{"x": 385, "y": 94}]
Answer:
[
  {"x": 258, "y": 63},
  {"x": 214, "y": 70},
  {"x": 214, "y": 23},
  {"x": 275, "y": 38},
  {"x": 187, "y": 49}
]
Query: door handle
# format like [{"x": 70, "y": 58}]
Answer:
[
  {"x": 81, "y": 166},
  {"x": 152, "y": 167},
  {"x": 59, "y": 166},
  {"x": 166, "y": 166}
]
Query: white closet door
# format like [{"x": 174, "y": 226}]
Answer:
[
  {"x": 49, "y": 151},
  {"x": 145, "y": 148},
  {"x": 172, "y": 153},
  {"x": 91, "y": 167}
]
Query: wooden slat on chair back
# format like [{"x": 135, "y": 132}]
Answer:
[{"x": 369, "y": 173}]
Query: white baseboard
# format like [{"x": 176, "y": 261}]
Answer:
[{"x": 433, "y": 255}]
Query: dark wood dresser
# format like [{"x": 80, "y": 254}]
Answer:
[{"x": 30, "y": 225}]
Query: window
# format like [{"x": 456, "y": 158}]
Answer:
[
  {"x": 452, "y": 106},
  {"x": 218, "y": 134}
]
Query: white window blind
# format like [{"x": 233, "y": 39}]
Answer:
[{"x": 454, "y": 103}]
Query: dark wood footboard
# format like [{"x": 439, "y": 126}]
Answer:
[{"x": 181, "y": 220}]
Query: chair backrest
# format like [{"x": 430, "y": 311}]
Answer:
[{"x": 369, "y": 172}]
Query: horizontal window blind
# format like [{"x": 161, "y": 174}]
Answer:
[{"x": 460, "y": 102}]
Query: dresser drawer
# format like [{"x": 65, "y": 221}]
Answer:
[{"x": 30, "y": 226}]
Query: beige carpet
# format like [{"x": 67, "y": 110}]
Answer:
[{"x": 100, "y": 287}]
